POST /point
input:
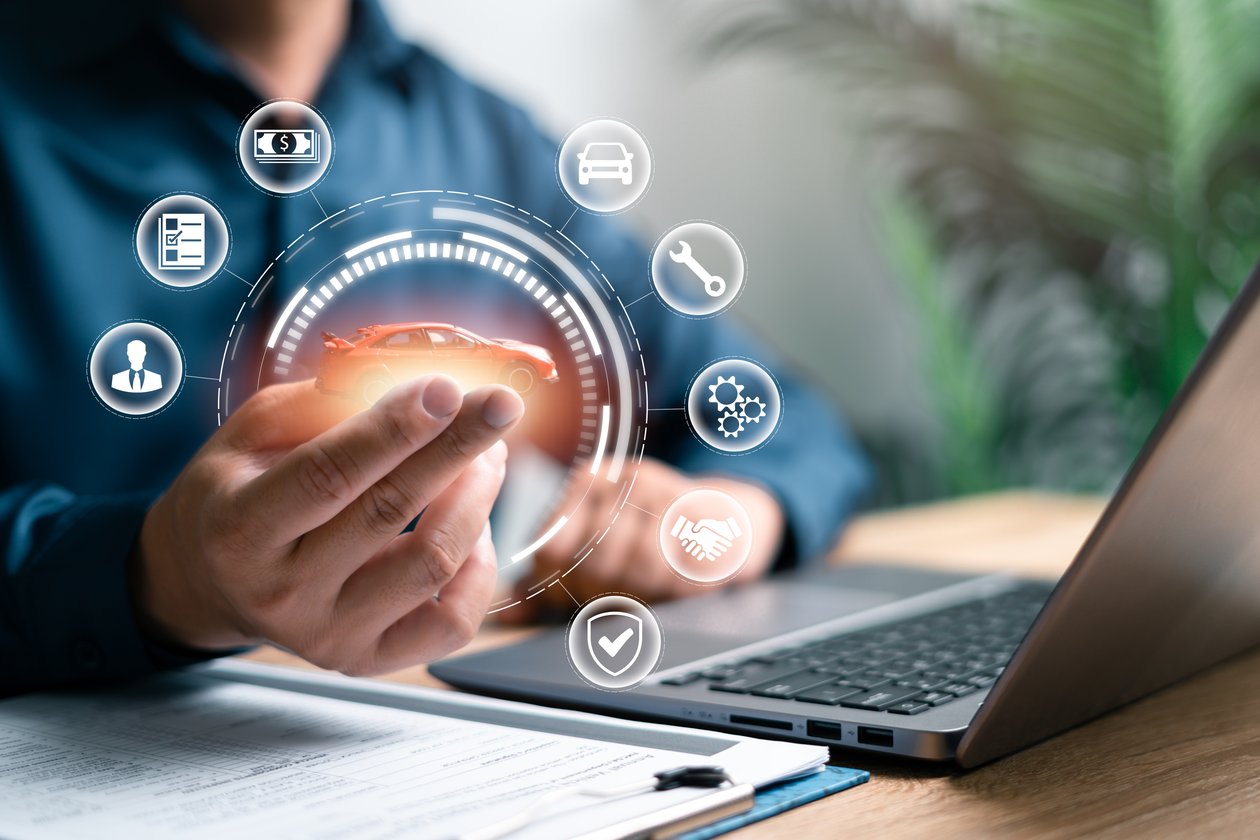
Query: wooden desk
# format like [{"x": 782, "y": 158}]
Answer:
[{"x": 1184, "y": 762}]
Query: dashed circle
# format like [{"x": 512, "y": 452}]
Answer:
[
  {"x": 285, "y": 147},
  {"x": 135, "y": 368},
  {"x": 182, "y": 240},
  {"x": 614, "y": 642},
  {"x": 605, "y": 165},
  {"x": 734, "y": 405}
]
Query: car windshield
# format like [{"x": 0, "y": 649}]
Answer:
[{"x": 604, "y": 151}]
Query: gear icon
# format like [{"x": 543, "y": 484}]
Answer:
[
  {"x": 731, "y": 424},
  {"x": 753, "y": 409},
  {"x": 724, "y": 406}
]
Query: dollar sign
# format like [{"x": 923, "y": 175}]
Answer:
[{"x": 284, "y": 142}]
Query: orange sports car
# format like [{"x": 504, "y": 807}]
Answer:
[{"x": 385, "y": 354}]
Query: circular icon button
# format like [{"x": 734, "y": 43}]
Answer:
[
  {"x": 285, "y": 147},
  {"x": 136, "y": 368},
  {"x": 705, "y": 535},
  {"x": 698, "y": 269},
  {"x": 614, "y": 642},
  {"x": 182, "y": 240},
  {"x": 604, "y": 165},
  {"x": 734, "y": 405}
]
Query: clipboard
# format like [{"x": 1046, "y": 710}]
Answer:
[{"x": 258, "y": 749}]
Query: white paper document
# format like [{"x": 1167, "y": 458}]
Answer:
[{"x": 193, "y": 755}]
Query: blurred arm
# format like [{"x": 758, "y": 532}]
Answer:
[{"x": 66, "y": 612}]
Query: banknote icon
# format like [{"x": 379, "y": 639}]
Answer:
[{"x": 286, "y": 146}]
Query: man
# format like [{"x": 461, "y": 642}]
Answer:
[
  {"x": 135, "y": 379},
  {"x": 285, "y": 525}
]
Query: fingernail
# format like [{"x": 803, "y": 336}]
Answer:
[
  {"x": 502, "y": 408},
  {"x": 441, "y": 397}
]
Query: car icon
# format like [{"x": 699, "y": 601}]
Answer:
[
  {"x": 605, "y": 160},
  {"x": 383, "y": 355}
]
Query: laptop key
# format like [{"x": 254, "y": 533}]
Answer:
[
  {"x": 908, "y": 707},
  {"x": 719, "y": 672},
  {"x": 921, "y": 682},
  {"x": 753, "y": 676},
  {"x": 828, "y": 695},
  {"x": 959, "y": 689},
  {"x": 878, "y": 700},
  {"x": 934, "y": 698},
  {"x": 865, "y": 680},
  {"x": 682, "y": 679},
  {"x": 789, "y": 686}
]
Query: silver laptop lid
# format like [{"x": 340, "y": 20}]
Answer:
[{"x": 1168, "y": 583}]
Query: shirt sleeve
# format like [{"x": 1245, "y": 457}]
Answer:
[
  {"x": 812, "y": 465},
  {"x": 66, "y": 613}
]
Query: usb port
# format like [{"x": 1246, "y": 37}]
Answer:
[
  {"x": 874, "y": 736},
  {"x": 826, "y": 731}
]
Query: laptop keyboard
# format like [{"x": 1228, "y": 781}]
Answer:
[{"x": 905, "y": 667}]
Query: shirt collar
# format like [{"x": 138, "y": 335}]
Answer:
[{"x": 371, "y": 39}]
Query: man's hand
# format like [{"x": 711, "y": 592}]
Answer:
[
  {"x": 285, "y": 527},
  {"x": 628, "y": 559}
]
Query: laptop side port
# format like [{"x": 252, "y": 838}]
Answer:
[
  {"x": 824, "y": 730},
  {"x": 764, "y": 723},
  {"x": 875, "y": 736}
]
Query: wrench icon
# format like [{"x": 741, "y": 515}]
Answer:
[{"x": 714, "y": 286}]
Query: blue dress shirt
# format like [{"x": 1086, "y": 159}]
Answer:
[{"x": 94, "y": 129}]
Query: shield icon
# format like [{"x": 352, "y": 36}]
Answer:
[{"x": 613, "y": 637}]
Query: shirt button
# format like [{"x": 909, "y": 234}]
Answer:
[{"x": 88, "y": 654}]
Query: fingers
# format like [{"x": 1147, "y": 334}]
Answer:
[
  {"x": 415, "y": 566},
  {"x": 445, "y": 624},
  {"x": 321, "y": 477},
  {"x": 383, "y": 509}
]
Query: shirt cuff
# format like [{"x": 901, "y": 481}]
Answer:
[{"x": 79, "y": 596}]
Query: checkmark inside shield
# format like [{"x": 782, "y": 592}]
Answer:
[{"x": 612, "y": 648}]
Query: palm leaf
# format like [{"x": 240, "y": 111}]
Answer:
[{"x": 1084, "y": 176}]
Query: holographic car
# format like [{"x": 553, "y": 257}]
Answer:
[{"x": 383, "y": 355}]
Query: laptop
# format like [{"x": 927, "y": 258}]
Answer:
[{"x": 945, "y": 667}]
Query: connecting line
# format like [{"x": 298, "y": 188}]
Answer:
[
  {"x": 636, "y": 300},
  {"x": 238, "y": 277},
  {"x": 667, "y": 408},
  {"x": 645, "y": 510},
  {"x": 320, "y": 206},
  {"x": 560, "y": 583},
  {"x": 207, "y": 378},
  {"x": 566, "y": 221}
]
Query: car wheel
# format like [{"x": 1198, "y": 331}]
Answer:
[
  {"x": 520, "y": 378},
  {"x": 374, "y": 386}
]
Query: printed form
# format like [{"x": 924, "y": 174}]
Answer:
[{"x": 203, "y": 756}]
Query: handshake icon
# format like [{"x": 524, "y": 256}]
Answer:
[{"x": 707, "y": 539}]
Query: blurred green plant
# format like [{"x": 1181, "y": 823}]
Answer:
[{"x": 1071, "y": 203}]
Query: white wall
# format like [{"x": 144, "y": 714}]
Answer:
[{"x": 748, "y": 143}]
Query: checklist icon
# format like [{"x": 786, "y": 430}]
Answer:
[{"x": 183, "y": 241}]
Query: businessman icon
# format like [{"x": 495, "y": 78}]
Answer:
[{"x": 135, "y": 379}]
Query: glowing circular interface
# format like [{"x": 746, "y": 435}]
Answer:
[{"x": 424, "y": 282}]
